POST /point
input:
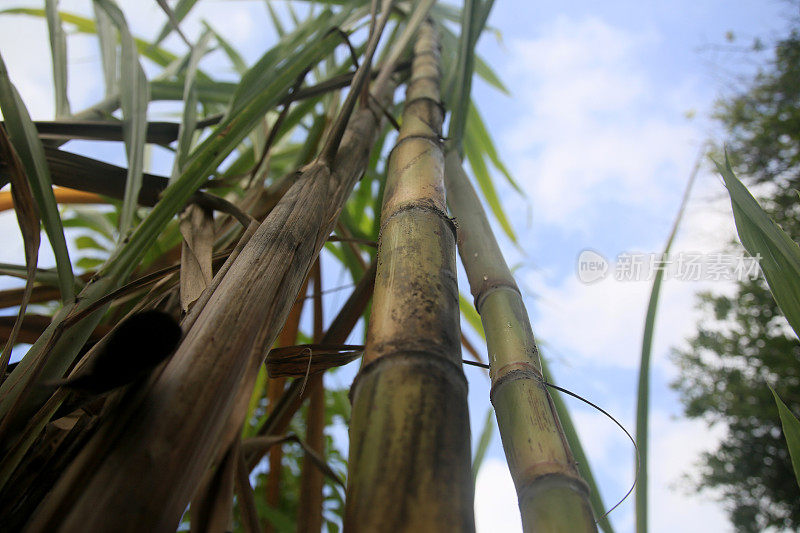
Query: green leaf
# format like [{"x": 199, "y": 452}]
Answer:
[
  {"x": 89, "y": 263},
  {"x": 58, "y": 51},
  {"x": 207, "y": 156},
  {"x": 791, "y": 430},
  {"x": 236, "y": 59},
  {"x": 483, "y": 443},
  {"x": 180, "y": 12},
  {"x": 471, "y": 315},
  {"x": 777, "y": 254},
  {"x": 276, "y": 21},
  {"x": 476, "y": 129},
  {"x": 93, "y": 220},
  {"x": 258, "y": 392},
  {"x": 462, "y": 79},
  {"x": 189, "y": 122},
  {"x": 643, "y": 394},
  {"x": 25, "y": 139},
  {"x": 208, "y": 92},
  {"x": 134, "y": 95},
  {"x": 107, "y": 37},
  {"x": 481, "y": 173},
  {"x": 42, "y": 275},
  {"x": 85, "y": 242},
  {"x": 30, "y": 229},
  {"x": 488, "y": 75}
]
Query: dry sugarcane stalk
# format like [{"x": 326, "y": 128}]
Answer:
[
  {"x": 552, "y": 496},
  {"x": 409, "y": 460},
  {"x": 309, "y": 509},
  {"x": 154, "y": 451}
]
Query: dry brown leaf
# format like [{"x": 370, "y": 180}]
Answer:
[
  {"x": 29, "y": 226},
  {"x": 309, "y": 359},
  {"x": 197, "y": 228}
]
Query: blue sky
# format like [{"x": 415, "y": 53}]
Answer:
[{"x": 609, "y": 105}]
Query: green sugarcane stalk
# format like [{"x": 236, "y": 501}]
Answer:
[
  {"x": 552, "y": 496},
  {"x": 409, "y": 460}
]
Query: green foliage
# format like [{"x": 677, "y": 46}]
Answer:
[
  {"x": 763, "y": 123},
  {"x": 744, "y": 345},
  {"x": 643, "y": 385},
  {"x": 779, "y": 255},
  {"x": 791, "y": 429}
]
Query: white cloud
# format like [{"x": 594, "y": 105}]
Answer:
[
  {"x": 610, "y": 314},
  {"x": 674, "y": 506},
  {"x": 675, "y": 446},
  {"x": 594, "y": 127},
  {"x": 496, "y": 508}
]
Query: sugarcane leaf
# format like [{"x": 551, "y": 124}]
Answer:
[
  {"x": 107, "y": 39},
  {"x": 462, "y": 79},
  {"x": 777, "y": 254},
  {"x": 208, "y": 92},
  {"x": 235, "y": 58},
  {"x": 206, "y": 157},
  {"x": 89, "y": 263},
  {"x": 485, "y": 183},
  {"x": 197, "y": 228},
  {"x": 92, "y": 220},
  {"x": 791, "y": 430},
  {"x": 259, "y": 75},
  {"x": 133, "y": 99},
  {"x": 85, "y": 242},
  {"x": 179, "y": 13},
  {"x": 643, "y": 386},
  {"x": 483, "y": 443},
  {"x": 477, "y": 131},
  {"x": 189, "y": 122},
  {"x": 279, "y": 520},
  {"x": 42, "y": 275},
  {"x": 28, "y": 220},
  {"x": 173, "y": 20},
  {"x": 259, "y": 389},
  {"x": 276, "y": 21},
  {"x": 23, "y": 136},
  {"x": 309, "y": 359},
  {"x": 471, "y": 315},
  {"x": 488, "y": 75},
  {"x": 58, "y": 51}
]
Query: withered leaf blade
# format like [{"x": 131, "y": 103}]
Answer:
[
  {"x": 197, "y": 228},
  {"x": 29, "y": 225},
  {"x": 309, "y": 359}
]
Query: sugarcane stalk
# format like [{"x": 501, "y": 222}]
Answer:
[
  {"x": 141, "y": 467},
  {"x": 409, "y": 459},
  {"x": 309, "y": 509},
  {"x": 552, "y": 496}
]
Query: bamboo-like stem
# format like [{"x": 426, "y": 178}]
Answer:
[
  {"x": 275, "y": 386},
  {"x": 552, "y": 496},
  {"x": 409, "y": 460},
  {"x": 247, "y": 502},
  {"x": 309, "y": 509}
]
